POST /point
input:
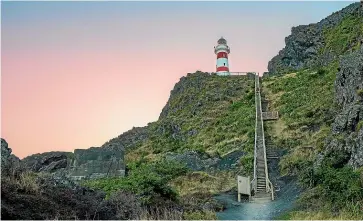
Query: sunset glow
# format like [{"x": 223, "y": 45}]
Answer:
[{"x": 76, "y": 74}]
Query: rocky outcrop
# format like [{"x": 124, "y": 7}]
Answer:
[
  {"x": 303, "y": 46},
  {"x": 91, "y": 163},
  {"x": 347, "y": 136},
  {"x": 194, "y": 160},
  {"x": 8, "y": 160},
  {"x": 128, "y": 140},
  {"x": 192, "y": 80},
  {"x": 47, "y": 162},
  {"x": 97, "y": 162}
]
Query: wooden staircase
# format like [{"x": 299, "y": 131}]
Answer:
[{"x": 261, "y": 185}]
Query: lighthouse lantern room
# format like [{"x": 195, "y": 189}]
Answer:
[{"x": 222, "y": 50}]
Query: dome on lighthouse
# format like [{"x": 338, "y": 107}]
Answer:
[{"x": 222, "y": 41}]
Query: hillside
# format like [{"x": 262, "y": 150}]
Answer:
[
  {"x": 206, "y": 125},
  {"x": 319, "y": 98},
  {"x": 202, "y": 139},
  {"x": 205, "y": 113}
]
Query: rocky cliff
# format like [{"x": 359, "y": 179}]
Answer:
[
  {"x": 316, "y": 84},
  {"x": 335, "y": 39},
  {"x": 320, "y": 43},
  {"x": 347, "y": 129},
  {"x": 206, "y": 116}
]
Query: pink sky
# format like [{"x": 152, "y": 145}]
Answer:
[{"x": 75, "y": 75}]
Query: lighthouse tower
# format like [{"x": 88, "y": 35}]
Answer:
[{"x": 222, "y": 51}]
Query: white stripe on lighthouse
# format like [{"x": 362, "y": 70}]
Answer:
[{"x": 222, "y": 62}]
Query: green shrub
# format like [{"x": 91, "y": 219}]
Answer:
[
  {"x": 340, "y": 185},
  {"x": 340, "y": 38},
  {"x": 147, "y": 180}
]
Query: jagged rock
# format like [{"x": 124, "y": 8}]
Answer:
[
  {"x": 47, "y": 162},
  {"x": 8, "y": 160},
  {"x": 348, "y": 119},
  {"x": 128, "y": 140},
  {"x": 348, "y": 82},
  {"x": 197, "y": 161},
  {"x": 193, "y": 160},
  {"x": 350, "y": 78},
  {"x": 345, "y": 135},
  {"x": 303, "y": 45}
]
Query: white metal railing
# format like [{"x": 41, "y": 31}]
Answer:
[
  {"x": 241, "y": 73},
  {"x": 244, "y": 73}
]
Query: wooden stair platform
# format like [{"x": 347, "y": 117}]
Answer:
[{"x": 271, "y": 115}]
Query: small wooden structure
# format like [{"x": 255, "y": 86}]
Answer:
[
  {"x": 244, "y": 187},
  {"x": 273, "y": 115}
]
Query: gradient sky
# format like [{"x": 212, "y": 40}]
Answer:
[{"x": 76, "y": 74}]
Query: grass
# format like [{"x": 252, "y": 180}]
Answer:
[
  {"x": 27, "y": 182},
  {"x": 343, "y": 37},
  {"x": 207, "y": 113},
  {"x": 305, "y": 101},
  {"x": 211, "y": 114},
  {"x": 352, "y": 211},
  {"x": 204, "y": 183}
]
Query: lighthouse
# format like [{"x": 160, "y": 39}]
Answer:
[{"x": 222, "y": 51}]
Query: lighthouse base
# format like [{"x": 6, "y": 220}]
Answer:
[{"x": 223, "y": 73}]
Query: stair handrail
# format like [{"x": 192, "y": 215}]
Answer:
[
  {"x": 253, "y": 182},
  {"x": 268, "y": 182}
]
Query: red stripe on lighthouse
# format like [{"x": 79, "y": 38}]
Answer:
[
  {"x": 222, "y": 55},
  {"x": 222, "y": 68}
]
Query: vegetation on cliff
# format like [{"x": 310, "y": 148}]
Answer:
[
  {"x": 320, "y": 113},
  {"x": 207, "y": 117}
]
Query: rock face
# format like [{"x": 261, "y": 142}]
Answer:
[
  {"x": 8, "y": 160},
  {"x": 197, "y": 161},
  {"x": 347, "y": 137},
  {"x": 128, "y": 140},
  {"x": 303, "y": 46},
  {"x": 97, "y": 162},
  {"x": 185, "y": 83},
  {"x": 91, "y": 163},
  {"x": 308, "y": 47},
  {"x": 47, "y": 162},
  {"x": 194, "y": 160}
]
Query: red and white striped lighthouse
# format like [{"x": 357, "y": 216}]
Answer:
[{"x": 222, "y": 51}]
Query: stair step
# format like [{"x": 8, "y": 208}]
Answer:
[{"x": 272, "y": 157}]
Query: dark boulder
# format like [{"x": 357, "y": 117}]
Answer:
[{"x": 47, "y": 162}]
